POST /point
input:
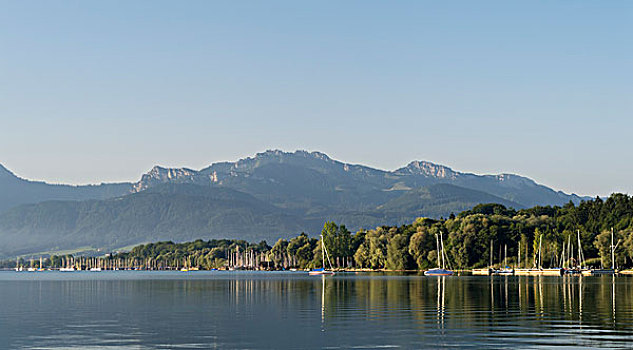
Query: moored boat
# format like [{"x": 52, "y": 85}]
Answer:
[
  {"x": 441, "y": 269},
  {"x": 600, "y": 272},
  {"x": 542, "y": 272},
  {"x": 482, "y": 272},
  {"x": 438, "y": 272},
  {"x": 504, "y": 271},
  {"x": 322, "y": 271}
]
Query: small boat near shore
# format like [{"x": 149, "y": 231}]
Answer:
[
  {"x": 438, "y": 272},
  {"x": 504, "y": 271},
  {"x": 599, "y": 272},
  {"x": 441, "y": 269},
  {"x": 482, "y": 272},
  {"x": 322, "y": 271},
  {"x": 541, "y": 272}
]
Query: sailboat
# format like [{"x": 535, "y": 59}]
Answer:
[
  {"x": 41, "y": 268},
  {"x": 441, "y": 264},
  {"x": 18, "y": 267},
  {"x": 322, "y": 271},
  {"x": 68, "y": 266},
  {"x": 31, "y": 268},
  {"x": 538, "y": 268},
  {"x": 578, "y": 262},
  {"x": 505, "y": 269}
]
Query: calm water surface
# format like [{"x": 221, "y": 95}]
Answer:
[{"x": 242, "y": 310}]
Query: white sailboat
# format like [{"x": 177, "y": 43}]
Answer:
[
  {"x": 18, "y": 267},
  {"x": 441, "y": 263},
  {"x": 322, "y": 271},
  {"x": 68, "y": 266}
]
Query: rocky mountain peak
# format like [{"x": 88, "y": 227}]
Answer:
[
  {"x": 160, "y": 174},
  {"x": 428, "y": 169},
  {"x": 270, "y": 153},
  {"x": 170, "y": 173},
  {"x": 277, "y": 153},
  {"x": 319, "y": 155}
]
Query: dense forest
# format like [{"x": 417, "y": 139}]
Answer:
[{"x": 467, "y": 240}]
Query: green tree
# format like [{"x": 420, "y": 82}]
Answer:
[{"x": 398, "y": 257}]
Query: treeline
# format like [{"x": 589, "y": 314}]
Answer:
[
  {"x": 516, "y": 235},
  {"x": 467, "y": 239}
]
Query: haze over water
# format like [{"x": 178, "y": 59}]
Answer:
[{"x": 242, "y": 310}]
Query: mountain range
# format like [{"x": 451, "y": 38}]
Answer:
[{"x": 274, "y": 194}]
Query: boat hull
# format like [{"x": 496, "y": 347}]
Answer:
[
  {"x": 321, "y": 273},
  {"x": 541, "y": 272},
  {"x": 438, "y": 272},
  {"x": 602, "y": 272}
]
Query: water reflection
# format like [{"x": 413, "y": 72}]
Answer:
[
  {"x": 441, "y": 287},
  {"x": 294, "y": 311}
]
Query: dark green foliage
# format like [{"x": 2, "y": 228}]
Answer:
[
  {"x": 467, "y": 237},
  {"x": 489, "y": 209},
  {"x": 338, "y": 241}
]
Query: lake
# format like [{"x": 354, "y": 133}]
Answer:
[{"x": 291, "y": 310}]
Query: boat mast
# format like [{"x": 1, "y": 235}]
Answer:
[
  {"x": 326, "y": 254},
  {"x": 562, "y": 258},
  {"x": 579, "y": 259},
  {"x": 540, "y": 245},
  {"x": 437, "y": 241},
  {"x": 612, "y": 252},
  {"x": 570, "y": 252},
  {"x": 491, "y": 253},
  {"x": 442, "y": 242},
  {"x": 323, "y": 253},
  {"x": 519, "y": 255}
]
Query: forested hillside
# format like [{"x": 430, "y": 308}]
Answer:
[{"x": 466, "y": 238}]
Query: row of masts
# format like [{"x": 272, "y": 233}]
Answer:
[
  {"x": 567, "y": 258},
  {"x": 236, "y": 259},
  {"x": 71, "y": 263},
  {"x": 250, "y": 260},
  {"x": 569, "y": 261}
]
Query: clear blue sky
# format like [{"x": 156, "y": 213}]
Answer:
[{"x": 101, "y": 91}]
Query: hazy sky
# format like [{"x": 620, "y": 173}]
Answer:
[{"x": 101, "y": 91}]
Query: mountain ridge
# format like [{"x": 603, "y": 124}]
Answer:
[
  {"x": 417, "y": 173},
  {"x": 335, "y": 176},
  {"x": 271, "y": 195}
]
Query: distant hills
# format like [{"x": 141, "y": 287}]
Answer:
[
  {"x": 15, "y": 191},
  {"x": 274, "y": 194}
]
